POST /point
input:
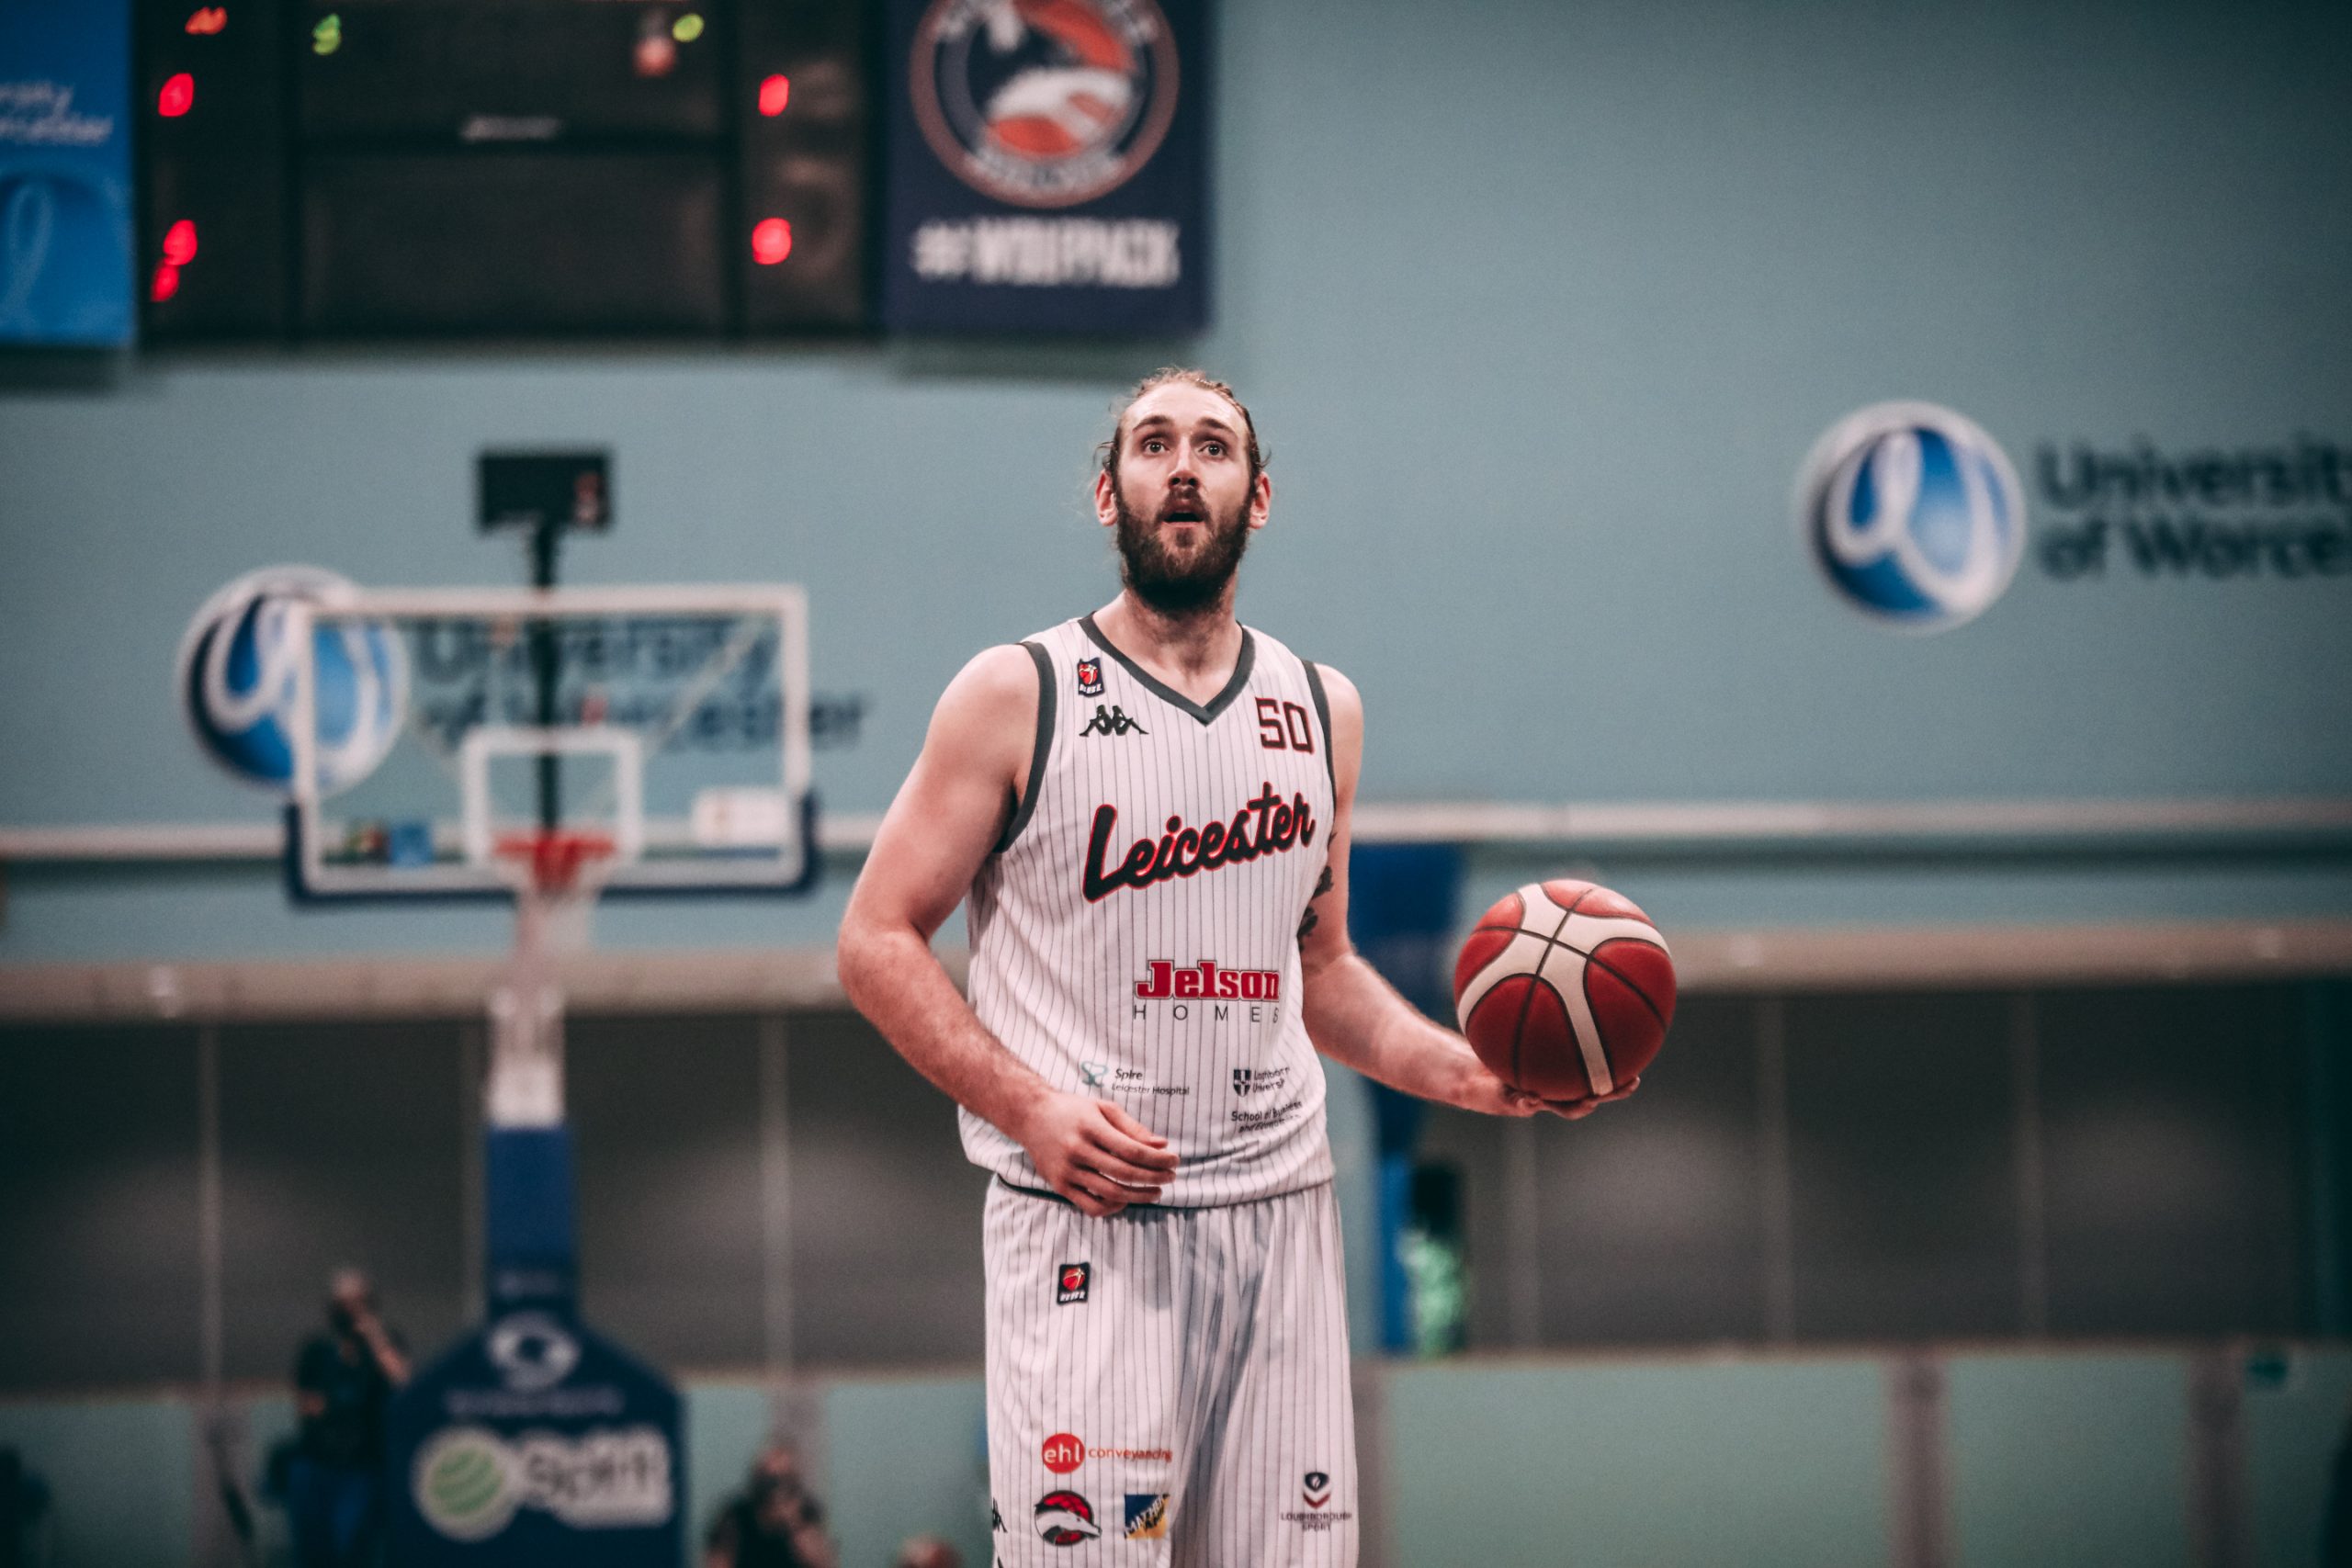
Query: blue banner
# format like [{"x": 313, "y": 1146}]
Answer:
[
  {"x": 537, "y": 1441},
  {"x": 65, "y": 172},
  {"x": 534, "y": 1440},
  {"x": 1048, "y": 167}
]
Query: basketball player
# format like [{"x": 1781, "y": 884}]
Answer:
[{"x": 1147, "y": 807}]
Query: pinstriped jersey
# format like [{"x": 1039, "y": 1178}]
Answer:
[{"x": 1135, "y": 935}]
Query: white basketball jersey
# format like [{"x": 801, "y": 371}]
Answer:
[{"x": 1134, "y": 936}]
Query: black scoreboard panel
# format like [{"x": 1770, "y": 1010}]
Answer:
[
  {"x": 497, "y": 168},
  {"x": 490, "y": 70},
  {"x": 430, "y": 242}
]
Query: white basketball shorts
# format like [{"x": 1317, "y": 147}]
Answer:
[{"x": 1170, "y": 1386}]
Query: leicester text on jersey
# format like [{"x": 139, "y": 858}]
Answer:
[{"x": 1182, "y": 851}]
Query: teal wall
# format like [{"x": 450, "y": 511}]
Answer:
[
  {"x": 1540, "y": 306},
  {"x": 2056, "y": 1457}
]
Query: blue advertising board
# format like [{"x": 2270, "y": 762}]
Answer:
[
  {"x": 534, "y": 1440},
  {"x": 66, "y": 204},
  {"x": 1048, "y": 167}
]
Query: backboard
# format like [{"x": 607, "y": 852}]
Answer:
[{"x": 431, "y": 729}]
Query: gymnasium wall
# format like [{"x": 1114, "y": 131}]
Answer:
[
  {"x": 1539, "y": 307},
  {"x": 782, "y": 1192}
]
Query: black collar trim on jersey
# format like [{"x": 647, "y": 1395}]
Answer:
[{"x": 1216, "y": 704}]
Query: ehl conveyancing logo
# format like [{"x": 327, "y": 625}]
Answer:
[
  {"x": 1912, "y": 514},
  {"x": 1044, "y": 103}
]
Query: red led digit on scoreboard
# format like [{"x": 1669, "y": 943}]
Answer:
[
  {"x": 775, "y": 94},
  {"x": 177, "y": 97},
  {"x": 179, "y": 243},
  {"x": 771, "y": 240}
]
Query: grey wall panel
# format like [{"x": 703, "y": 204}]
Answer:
[
  {"x": 1649, "y": 1221},
  {"x": 665, "y": 1112},
  {"x": 2172, "y": 1133},
  {"x": 339, "y": 1143},
  {"x": 1903, "y": 1167},
  {"x": 99, "y": 1274},
  {"x": 886, "y": 1211}
]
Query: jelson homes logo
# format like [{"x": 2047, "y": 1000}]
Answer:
[{"x": 2282, "y": 511}]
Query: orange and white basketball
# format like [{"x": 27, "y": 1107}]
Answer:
[{"x": 1565, "y": 990}]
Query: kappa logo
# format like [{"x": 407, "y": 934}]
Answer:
[
  {"x": 1064, "y": 1518},
  {"x": 1090, "y": 677},
  {"x": 1070, "y": 1282},
  {"x": 1044, "y": 103},
  {"x": 1147, "y": 1516},
  {"x": 1112, "y": 720}
]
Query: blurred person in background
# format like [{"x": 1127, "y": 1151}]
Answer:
[
  {"x": 344, "y": 1380},
  {"x": 927, "y": 1551},
  {"x": 24, "y": 1501},
  {"x": 775, "y": 1523}
]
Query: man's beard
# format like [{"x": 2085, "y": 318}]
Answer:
[{"x": 1154, "y": 575}]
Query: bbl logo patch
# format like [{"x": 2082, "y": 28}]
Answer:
[
  {"x": 1044, "y": 103},
  {"x": 1146, "y": 1515},
  {"x": 1090, "y": 677},
  {"x": 1069, "y": 1282},
  {"x": 1064, "y": 1518}
]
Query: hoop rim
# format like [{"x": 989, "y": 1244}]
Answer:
[{"x": 555, "y": 861}]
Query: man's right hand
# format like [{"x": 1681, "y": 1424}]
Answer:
[{"x": 1094, "y": 1153}]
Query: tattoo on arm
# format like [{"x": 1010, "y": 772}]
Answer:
[{"x": 1313, "y": 917}]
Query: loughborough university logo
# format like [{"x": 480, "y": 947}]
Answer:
[
  {"x": 1912, "y": 514},
  {"x": 1044, "y": 103}
]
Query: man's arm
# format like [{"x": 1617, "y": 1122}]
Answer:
[
  {"x": 1354, "y": 1016},
  {"x": 943, "y": 825},
  {"x": 389, "y": 1359}
]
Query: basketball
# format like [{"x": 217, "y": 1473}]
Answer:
[{"x": 1565, "y": 990}]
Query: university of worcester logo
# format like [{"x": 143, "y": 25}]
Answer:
[
  {"x": 1044, "y": 103},
  {"x": 1090, "y": 677}
]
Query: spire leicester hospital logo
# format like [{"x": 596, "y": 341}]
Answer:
[{"x": 1044, "y": 103}]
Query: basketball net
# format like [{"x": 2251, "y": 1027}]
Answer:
[{"x": 557, "y": 875}]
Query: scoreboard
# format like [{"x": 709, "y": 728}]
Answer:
[{"x": 324, "y": 169}]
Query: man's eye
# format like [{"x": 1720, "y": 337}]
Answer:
[
  {"x": 1213, "y": 448},
  {"x": 1153, "y": 443}
]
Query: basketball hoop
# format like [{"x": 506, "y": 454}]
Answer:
[
  {"x": 552, "y": 862},
  {"x": 556, "y": 875}
]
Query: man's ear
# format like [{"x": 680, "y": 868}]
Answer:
[
  {"x": 1106, "y": 499},
  {"x": 1261, "y": 499}
]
